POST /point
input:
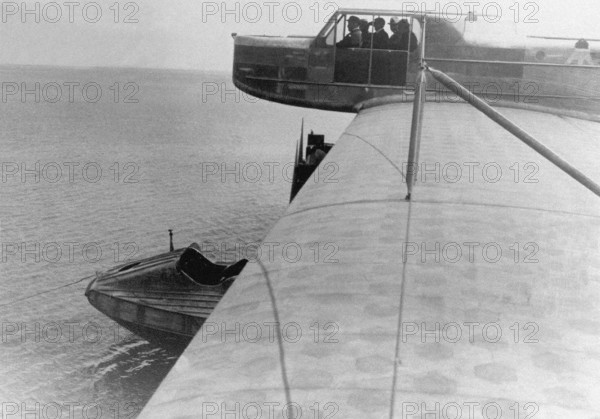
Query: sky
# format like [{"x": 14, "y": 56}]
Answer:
[{"x": 196, "y": 35}]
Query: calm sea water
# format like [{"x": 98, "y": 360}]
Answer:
[{"x": 98, "y": 175}]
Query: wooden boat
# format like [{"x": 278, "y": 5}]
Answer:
[{"x": 165, "y": 298}]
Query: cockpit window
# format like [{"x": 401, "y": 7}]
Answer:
[
  {"x": 331, "y": 29},
  {"x": 416, "y": 29},
  {"x": 374, "y": 30},
  {"x": 327, "y": 28},
  {"x": 374, "y": 49}
]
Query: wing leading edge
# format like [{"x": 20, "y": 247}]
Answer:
[{"x": 478, "y": 296}]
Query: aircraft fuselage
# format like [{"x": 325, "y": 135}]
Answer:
[{"x": 313, "y": 72}]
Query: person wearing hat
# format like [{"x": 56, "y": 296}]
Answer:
[
  {"x": 380, "y": 36},
  {"x": 394, "y": 24},
  {"x": 366, "y": 35},
  {"x": 403, "y": 38},
  {"x": 354, "y": 37}
]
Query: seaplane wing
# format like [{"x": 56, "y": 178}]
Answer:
[{"x": 478, "y": 298}]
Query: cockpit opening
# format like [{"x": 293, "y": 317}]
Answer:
[{"x": 371, "y": 49}]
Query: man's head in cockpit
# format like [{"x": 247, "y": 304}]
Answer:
[
  {"x": 394, "y": 24},
  {"x": 379, "y": 23},
  {"x": 353, "y": 22},
  {"x": 403, "y": 26}
]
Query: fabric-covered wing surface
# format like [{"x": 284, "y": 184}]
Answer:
[{"x": 478, "y": 298}]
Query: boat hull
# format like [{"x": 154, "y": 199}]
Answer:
[
  {"x": 152, "y": 299},
  {"x": 153, "y": 324}
]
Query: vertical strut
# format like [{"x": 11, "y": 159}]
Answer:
[
  {"x": 415, "y": 132},
  {"x": 417, "y": 120}
]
